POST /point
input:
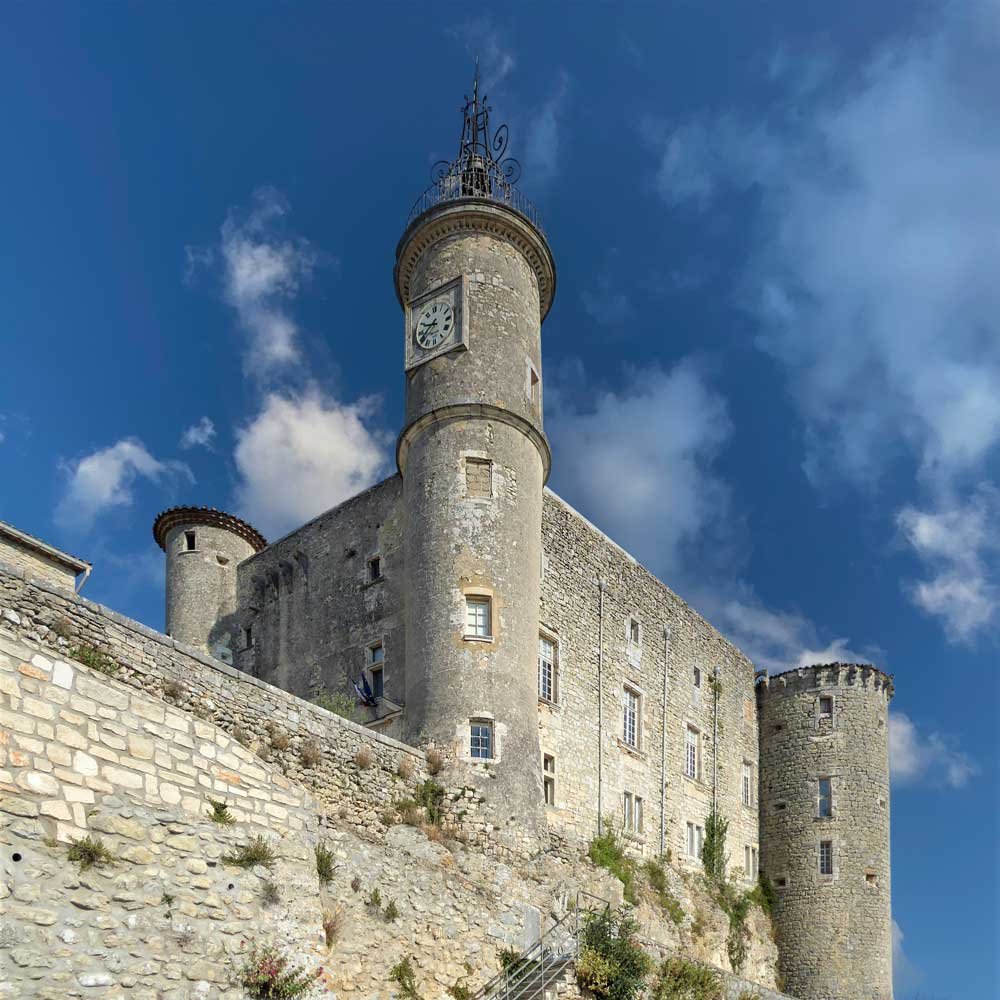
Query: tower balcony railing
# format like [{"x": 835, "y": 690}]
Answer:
[{"x": 479, "y": 178}]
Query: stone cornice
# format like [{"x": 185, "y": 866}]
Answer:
[
  {"x": 466, "y": 411},
  {"x": 475, "y": 215}
]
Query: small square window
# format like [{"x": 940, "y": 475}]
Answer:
[
  {"x": 478, "y": 617},
  {"x": 549, "y": 778},
  {"x": 189, "y": 541},
  {"x": 780, "y": 883},
  {"x": 374, "y": 569},
  {"x": 376, "y": 653},
  {"x": 631, "y": 703},
  {"x": 825, "y": 707},
  {"x": 478, "y": 477},
  {"x": 825, "y": 799},
  {"x": 826, "y": 857},
  {"x": 378, "y": 682},
  {"x": 547, "y": 687},
  {"x": 481, "y": 740}
]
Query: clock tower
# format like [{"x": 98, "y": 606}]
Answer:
[{"x": 475, "y": 278}]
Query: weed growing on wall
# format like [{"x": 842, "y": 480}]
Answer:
[
  {"x": 220, "y": 813},
  {"x": 310, "y": 754},
  {"x": 607, "y": 851},
  {"x": 460, "y": 991},
  {"x": 679, "y": 979},
  {"x": 405, "y": 978},
  {"x": 94, "y": 659},
  {"x": 90, "y": 852},
  {"x": 174, "y": 690},
  {"x": 256, "y": 851},
  {"x": 435, "y": 761},
  {"x": 713, "y": 851},
  {"x": 657, "y": 876},
  {"x": 269, "y": 975},
  {"x": 613, "y": 964},
  {"x": 333, "y": 921},
  {"x": 325, "y": 867},
  {"x": 270, "y": 894}
]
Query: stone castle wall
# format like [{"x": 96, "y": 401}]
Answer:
[
  {"x": 834, "y": 930},
  {"x": 35, "y": 564},
  {"x": 576, "y": 554}
]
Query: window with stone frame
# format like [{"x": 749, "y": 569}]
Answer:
[
  {"x": 826, "y": 857},
  {"x": 632, "y": 813},
  {"x": 478, "y": 477},
  {"x": 631, "y": 717},
  {"x": 692, "y": 752},
  {"x": 695, "y": 840},
  {"x": 748, "y": 784},
  {"x": 478, "y": 617},
  {"x": 824, "y": 798},
  {"x": 481, "y": 739},
  {"x": 549, "y": 778},
  {"x": 548, "y": 680},
  {"x": 750, "y": 862},
  {"x": 825, "y": 708},
  {"x": 534, "y": 386}
]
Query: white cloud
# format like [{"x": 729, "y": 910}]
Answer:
[
  {"x": 905, "y": 974},
  {"x": 541, "y": 153},
  {"x": 262, "y": 271},
  {"x": 105, "y": 479},
  {"x": 199, "y": 435},
  {"x": 874, "y": 279},
  {"x": 484, "y": 41},
  {"x": 927, "y": 757},
  {"x": 301, "y": 455},
  {"x": 638, "y": 460}
]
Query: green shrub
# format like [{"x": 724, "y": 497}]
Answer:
[
  {"x": 430, "y": 795},
  {"x": 325, "y": 867},
  {"x": 94, "y": 659},
  {"x": 267, "y": 976},
  {"x": 749, "y": 995},
  {"x": 90, "y": 852},
  {"x": 658, "y": 881},
  {"x": 613, "y": 964},
  {"x": 391, "y": 911},
  {"x": 460, "y": 991},
  {"x": 606, "y": 851},
  {"x": 336, "y": 702},
  {"x": 679, "y": 979},
  {"x": 256, "y": 851},
  {"x": 764, "y": 895},
  {"x": 713, "y": 850},
  {"x": 220, "y": 813},
  {"x": 404, "y": 977}
]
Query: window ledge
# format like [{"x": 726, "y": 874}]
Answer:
[
  {"x": 628, "y": 748},
  {"x": 694, "y": 781},
  {"x": 372, "y": 583},
  {"x": 478, "y": 638},
  {"x": 554, "y": 705}
]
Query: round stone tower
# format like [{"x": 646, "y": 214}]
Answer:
[
  {"x": 203, "y": 548},
  {"x": 475, "y": 277},
  {"x": 824, "y": 828}
]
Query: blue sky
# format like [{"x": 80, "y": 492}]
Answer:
[{"x": 772, "y": 370}]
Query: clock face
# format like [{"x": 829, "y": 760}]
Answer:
[{"x": 434, "y": 324}]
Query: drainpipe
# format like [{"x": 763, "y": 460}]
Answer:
[
  {"x": 601, "y": 584},
  {"x": 663, "y": 742},
  {"x": 715, "y": 743}
]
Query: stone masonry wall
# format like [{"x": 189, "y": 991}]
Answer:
[{"x": 35, "y": 564}]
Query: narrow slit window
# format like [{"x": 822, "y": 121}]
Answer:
[
  {"x": 634, "y": 632},
  {"x": 691, "y": 752},
  {"x": 248, "y": 637},
  {"x": 825, "y": 807},
  {"x": 189, "y": 541},
  {"x": 630, "y": 727},
  {"x": 549, "y": 778},
  {"x": 374, "y": 569},
  {"x": 697, "y": 677},
  {"x": 546, "y": 669},
  {"x": 534, "y": 385},
  {"x": 748, "y": 783},
  {"x": 378, "y": 682}
]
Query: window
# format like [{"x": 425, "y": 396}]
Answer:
[
  {"x": 750, "y": 862},
  {"x": 634, "y": 632},
  {"x": 697, "y": 677},
  {"x": 748, "y": 783},
  {"x": 546, "y": 669},
  {"x": 549, "y": 778},
  {"x": 374, "y": 569},
  {"x": 248, "y": 637},
  {"x": 632, "y": 813},
  {"x": 695, "y": 840},
  {"x": 780, "y": 883},
  {"x": 826, "y": 708},
  {"x": 189, "y": 541},
  {"x": 481, "y": 740},
  {"x": 478, "y": 477},
  {"x": 534, "y": 384},
  {"x": 378, "y": 682},
  {"x": 477, "y": 618},
  {"x": 825, "y": 808},
  {"x": 630, "y": 727},
  {"x": 826, "y": 857},
  {"x": 691, "y": 752},
  {"x": 376, "y": 653}
]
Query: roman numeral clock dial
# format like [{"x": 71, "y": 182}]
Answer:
[{"x": 434, "y": 324}]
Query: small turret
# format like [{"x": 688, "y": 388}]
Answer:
[
  {"x": 203, "y": 548},
  {"x": 824, "y": 820}
]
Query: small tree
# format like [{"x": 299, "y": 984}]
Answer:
[
  {"x": 612, "y": 963},
  {"x": 713, "y": 851}
]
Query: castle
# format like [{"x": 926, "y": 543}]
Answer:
[{"x": 463, "y": 606}]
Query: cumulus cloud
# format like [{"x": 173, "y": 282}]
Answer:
[
  {"x": 874, "y": 276},
  {"x": 928, "y": 757},
  {"x": 199, "y": 435},
  {"x": 105, "y": 479},
  {"x": 302, "y": 454},
  {"x": 639, "y": 460},
  {"x": 262, "y": 270}
]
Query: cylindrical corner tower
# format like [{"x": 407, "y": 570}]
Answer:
[
  {"x": 475, "y": 278},
  {"x": 203, "y": 548},
  {"x": 824, "y": 818}
]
